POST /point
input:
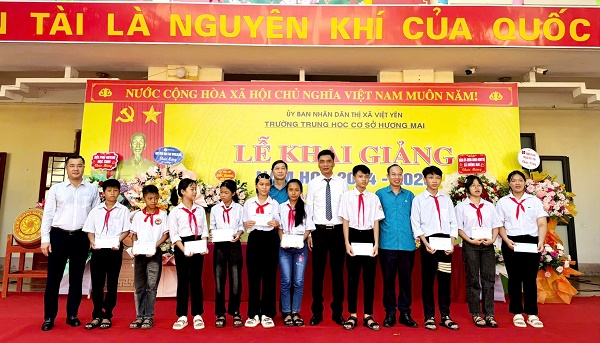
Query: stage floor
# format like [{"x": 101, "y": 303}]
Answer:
[{"x": 21, "y": 317}]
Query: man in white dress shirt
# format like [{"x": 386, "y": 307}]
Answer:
[
  {"x": 65, "y": 211},
  {"x": 323, "y": 200}
]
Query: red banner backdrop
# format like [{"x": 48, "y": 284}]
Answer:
[
  {"x": 136, "y": 92},
  {"x": 509, "y": 26}
]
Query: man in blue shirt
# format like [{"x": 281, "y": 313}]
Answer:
[
  {"x": 278, "y": 191},
  {"x": 396, "y": 248}
]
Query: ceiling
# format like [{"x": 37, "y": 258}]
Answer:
[{"x": 492, "y": 63}]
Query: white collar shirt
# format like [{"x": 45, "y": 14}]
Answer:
[
  {"x": 180, "y": 226},
  {"x": 291, "y": 228},
  {"x": 526, "y": 224},
  {"x": 118, "y": 221},
  {"x": 370, "y": 211},
  {"x": 425, "y": 219},
  {"x": 466, "y": 216},
  {"x": 233, "y": 219},
  {"x": 316, "y": 199},
  {"x": 250, "y": 210},
  {"x": 149, "y": 227},
  {"x": 67, "y": 206}
]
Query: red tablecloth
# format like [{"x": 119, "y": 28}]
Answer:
[{"x": 458, "y": 292}]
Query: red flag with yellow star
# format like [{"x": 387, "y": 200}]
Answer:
[{"x": 137, "y": 126}]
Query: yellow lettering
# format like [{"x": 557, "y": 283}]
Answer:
[
  {"x": 573, "y": 30},
  {"x": 61, "y": 23},
  {"x": 111, "y": 26},
  {"x": 460, "y": 28},
  {"x": 253, "y": 26},
  {"x": 406, "y": 28},
  {"x": 274, "y": 24},
  {"x": 39, "y": 21},
  {"x": 368, "y": 28},
  {"x": 339, "y": 27},
  {"x": 138, "y": 24},
  {"x": 208, "y": 30},
  {"x": 79, "y": 24},
  {"x": 2, "y": 23},
  {"x": 443, "y": 29},
  {"x": 223, "y": 26},
  {"x": 293, "y": 26},
  {"x": 176, "y": 23}
]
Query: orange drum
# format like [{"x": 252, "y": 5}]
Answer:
[{"x": 27, "y": 229}]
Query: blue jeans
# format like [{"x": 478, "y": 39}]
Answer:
[{"x": 292, "y": 262}]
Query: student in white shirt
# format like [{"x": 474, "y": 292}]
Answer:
[
  {"x": 361, "y": 211},
  {"x": 323, "y": 200},
  {"x": 107, "y": 220},
  {"x": 524, "y": 221},
  {"x": 262, "y": 254},
  {"x": 293, "y": 259},
  {"x": 67, "y": 205},
  {"x": 148, "y": 226},
  {"x": 187, "y": 223},
  {"x": 432, "y": 215},
  {"x": 475, "y": 213},
  {"x": 227, "y": 256}
]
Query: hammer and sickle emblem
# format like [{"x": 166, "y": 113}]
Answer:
[{"x": 128, "y": 113}]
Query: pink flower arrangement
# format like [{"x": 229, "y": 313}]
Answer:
[
  {"x": 554, "y": 258},
  {"x": 558, "y": 203}
]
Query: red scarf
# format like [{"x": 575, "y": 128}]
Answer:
[{"x": 192, "y": 218}]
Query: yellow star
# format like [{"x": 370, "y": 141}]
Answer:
[{"x": 151, "y": 115}]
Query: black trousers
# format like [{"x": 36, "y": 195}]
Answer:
[
  {"x": 432, "y": 265},
  {"x": 397, "y": 263},
  {"x": 189, "y": 280},
  {"x": 262, "y": 259},
  {"x": 105, "y": 265},
  {"x": 65, "y": 246},
  {"x": 368, "y": 265},
  {"x": 328, "y": 241},
  {"x": 522, "y": 273},
  {"x": 480, "y": 268},
  {"x": 227, "y": 260}
]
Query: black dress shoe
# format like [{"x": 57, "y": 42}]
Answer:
[
  {"x": 408, "y": 321},
  {"x": 48, "y": 324},
  {"x": 338, "y": 319},
  {"x": 315, "y": 320},
  {"x": 73, "y": 321},
  {"x": 390, "y": 320}
]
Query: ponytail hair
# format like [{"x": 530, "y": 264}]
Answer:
[
  {"x": 299, "y": 208},
  {"x": 232, "y": 187},
  {"x": 176, "y": 193}
]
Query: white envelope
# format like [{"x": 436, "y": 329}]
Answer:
[
  {"x": 222, "y": 235},
  {"x": 362, "y": 249},
  {"x": 195, "y": 247},
  {"x": 526, "y": 247},
  {"x": 262, "y": 219},
  {"x": 292, "y": 241},
  {"x": 481, "y": 233},
  {"x": 440, "y": 243},
  {"x": 144, "y": 248},
  {"x": 106, "y": 242}
]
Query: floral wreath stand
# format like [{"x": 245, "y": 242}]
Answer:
[{"x": 553, "y": 287}]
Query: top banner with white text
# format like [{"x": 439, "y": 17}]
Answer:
[{"x": 245, "y": 127}]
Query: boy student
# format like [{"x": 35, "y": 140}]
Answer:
[
  {"x": 361, "y": 212},
  {"x": 432, "y": 217},
  {"x": 148, "y": 226},
  {"x": 109, "y": 223}
]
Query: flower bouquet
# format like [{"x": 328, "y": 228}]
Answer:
[
  {"x": 209, "y": 195},
  {"x": 557, "y": 201},
  {"x": 168, "y": 253},
  {"x": 455, "y": 184},
  {"x": 555, "y": 267}
]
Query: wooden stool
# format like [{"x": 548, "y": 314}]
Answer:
[{"x": 13, "y": 248}]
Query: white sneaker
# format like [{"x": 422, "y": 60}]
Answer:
[
  {"x": 252, "y": 322},
  {"x": 198, "y": 322},
  {"x": 267, "y": 322},
  {"x": 180, "y": 323}
]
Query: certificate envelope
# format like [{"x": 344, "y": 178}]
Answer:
[
  {"x": 440, "y": 243},
  {"x": 262, "y": 219},
  {"x": 481, "y": 233},
  {"x": 292, "y": 241},
  {"x": 106, "y": 242},
  {"x": 362, "y": 249},
  {"x": 195, "y": 247},
  {"x": 526, "y": 247},
  {"x": 144, "y": 248},
  {"x": 222, "y": 235}
]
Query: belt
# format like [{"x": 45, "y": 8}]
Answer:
[
  {"x": 68, "y": 232},
  {"x": 328, "y": 227}
]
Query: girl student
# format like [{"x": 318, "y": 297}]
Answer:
[
  {"x": 292, "y": 260},
  {"x": 262, "y": 253},
  {"x": 187, "y": 223},
  {"x": 227, "y": 255},
  {"x": 476, "y": 217},
  {"x": 525, "y": 224}
]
